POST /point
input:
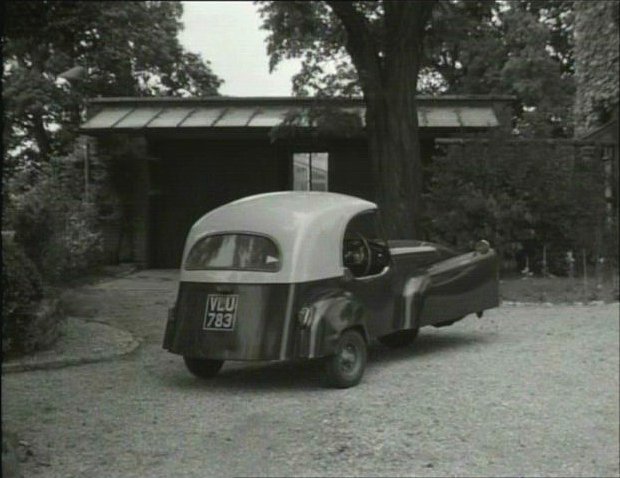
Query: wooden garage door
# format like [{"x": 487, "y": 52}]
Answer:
[{"x": 194, "y": 177}]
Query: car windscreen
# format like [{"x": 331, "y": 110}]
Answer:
[{"x": 234, "y": 252}]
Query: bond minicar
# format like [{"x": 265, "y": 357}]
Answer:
[{"x": 310, "y": 275}]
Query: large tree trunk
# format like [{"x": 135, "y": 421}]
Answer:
[
  {"x": 392, "y": 129},
  {"x": 395, "y": 152},
  {"x": 388, "y": 72}
]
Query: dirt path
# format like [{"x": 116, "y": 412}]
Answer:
[{"x": 524, "y": 391}]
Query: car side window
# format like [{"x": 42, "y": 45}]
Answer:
[{"x": 365, "y": 251}]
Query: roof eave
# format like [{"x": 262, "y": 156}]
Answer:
[{"x": 287, "y": 100}]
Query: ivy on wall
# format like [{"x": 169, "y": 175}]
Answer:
[{"x": 596, "y": 53}]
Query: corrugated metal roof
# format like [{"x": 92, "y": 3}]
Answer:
[{"x": 144, "y": 115}]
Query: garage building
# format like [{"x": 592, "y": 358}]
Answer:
[{"x": 191, "y": 155}]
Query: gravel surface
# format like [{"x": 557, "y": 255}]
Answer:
[{"x": 526, "y": 390}]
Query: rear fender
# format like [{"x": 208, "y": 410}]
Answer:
[
  {"x": 414, "y": 293},
  {"x": 330, "y": 317},
  {"x": 462, "y": 285}
]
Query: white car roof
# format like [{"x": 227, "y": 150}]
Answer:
[{"x": 308, "y": 228}]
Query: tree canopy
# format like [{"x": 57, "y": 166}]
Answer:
[
  {"x": 519, "y": 48},
  {"x": 374, "y": 48},
  {"x": 125, "y": 49}
]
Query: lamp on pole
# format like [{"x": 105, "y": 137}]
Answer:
[
  {"x": 76, "y": 73},
  {"x": 74, "y": 76}
]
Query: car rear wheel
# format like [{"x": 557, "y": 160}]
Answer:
[
  {"x": 203, "y": 368},
  {"x": 402, "y": 338},
  {"x": 346, "y": 367}
]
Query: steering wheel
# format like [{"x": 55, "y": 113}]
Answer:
[
  {"x": 368, "y": 254},
  {"x": 362, "y": 255}
]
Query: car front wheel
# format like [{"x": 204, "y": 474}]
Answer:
[
  {"x": 203, "y": 368},
  {"x": 346, "y": 367}
]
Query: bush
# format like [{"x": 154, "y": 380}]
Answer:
[
  {"x": 57, "y": 230},
  {"x": 534, "y": 199},
  {"x": 22, "y": 292},
  {"x": 75, "y": 246}
]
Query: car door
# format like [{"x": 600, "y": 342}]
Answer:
[{"x": 366, "y": 255}]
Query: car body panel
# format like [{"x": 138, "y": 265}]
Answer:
[
  {"x": 442, "y": 285},
  {"x": 376, "y": 293},
  {"x": 260, "y": 323},
  {"x": 334, "y": 310},
  {"x": 420, "y": 283},
  {"x": 298, "y": 222},
  {"x": 462, "y": 285}
]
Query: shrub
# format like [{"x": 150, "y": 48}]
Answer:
[
  {"x": 529, "y": 198},
  {"x": 75, "y": 246},
  {"x": 22, "y": 291},
  {"x": 57, "y": 230}
]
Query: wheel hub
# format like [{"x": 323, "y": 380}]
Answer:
[{"x": 348, "y": 358}]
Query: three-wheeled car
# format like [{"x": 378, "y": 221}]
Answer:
[{"x": 291, "y": 275}]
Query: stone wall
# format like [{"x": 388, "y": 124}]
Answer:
[{"x": 596, "y": 63}]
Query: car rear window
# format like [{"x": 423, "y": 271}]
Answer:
[{"x": 234, "y": 252}]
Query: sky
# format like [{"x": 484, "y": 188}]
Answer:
[{"x": 228, "y": 35}]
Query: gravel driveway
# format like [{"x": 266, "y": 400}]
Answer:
[{"x": 526, "y": 390}]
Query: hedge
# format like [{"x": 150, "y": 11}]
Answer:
[
  {"x": 540, "y": 199},
  {"x": 30, "y": 320}
]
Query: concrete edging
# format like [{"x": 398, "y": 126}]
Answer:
[{"x": 125, "y": 343}]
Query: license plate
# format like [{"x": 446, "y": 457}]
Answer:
[{"x": 220, "y": 312}]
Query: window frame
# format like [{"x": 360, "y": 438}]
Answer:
[
  {"x": 241, "y": 269},
  {"x": 309, "y": 182}
]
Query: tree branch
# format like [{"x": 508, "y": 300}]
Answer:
[
  {"x": 360, "y": 44},
  {"x": 405, "y": 24}
]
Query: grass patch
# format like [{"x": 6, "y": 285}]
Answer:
[{"x": 556, "y": 290}]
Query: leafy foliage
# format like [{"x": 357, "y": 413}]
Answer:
[
  {"x": 21, "y": 291},
  {"x": 501, "y": 191},
  {"x": 519, "y": 48},
  {"x": 126, "y": 48},
  {"x": 59, "y": 235},
  {"x": 311, "y": 31},
  {"x": 21, "y": 282},
  {"x": 324, "y": 121},
  {"x": 373, "y": 48}
]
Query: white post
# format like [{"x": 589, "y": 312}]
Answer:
[
  {"x": 310, "y": 171},
  {"x": 86, "y": 172},
  {"x": 585, "y": 272}
]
